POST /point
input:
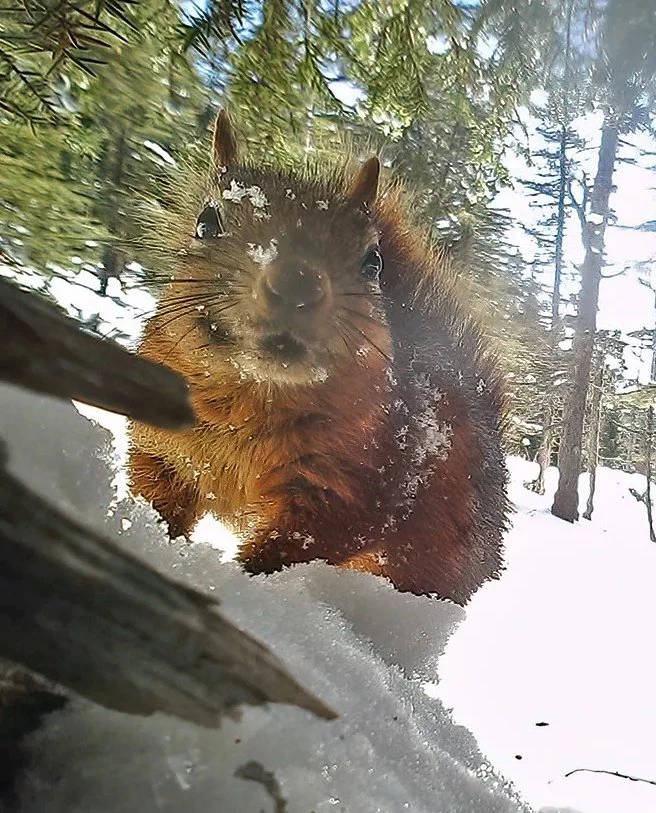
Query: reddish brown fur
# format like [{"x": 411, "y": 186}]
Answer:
[{"x": 348, "y": 469}]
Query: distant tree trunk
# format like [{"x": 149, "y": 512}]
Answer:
[
  {"x": 593, "y": 439},
  {"x": 113, "y": 265},
  {"x": 566, "y": 499},
  {"x": 543, "y": 457},
  {"x": 630, "y": 447},
  {"x": 650, "y": 432},
  {"x": 113, "y": 258},
  {"x": 653, "y": 345},
  {"x": 544, "y": 452}
]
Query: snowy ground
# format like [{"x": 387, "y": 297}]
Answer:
[
  {"x": 354, "y": 641},
  {"x": 563, "y": 639}
]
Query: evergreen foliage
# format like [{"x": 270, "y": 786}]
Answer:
[{"x": 68, "y": 181}]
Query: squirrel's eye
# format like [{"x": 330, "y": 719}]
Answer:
[
  {"x": 372, "y": 265},
  {"x": 209, "y": 223}
]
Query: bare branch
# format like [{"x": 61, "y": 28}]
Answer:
[
  {"x": 580, "y": 209},
  {"x": 611, "y": 773},
  {"x": 617, "y": 273}
]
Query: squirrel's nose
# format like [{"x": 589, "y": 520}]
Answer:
[{"x": 299, "y": 286}]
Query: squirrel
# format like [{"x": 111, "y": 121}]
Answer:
[{"x": 348, "y": 407}]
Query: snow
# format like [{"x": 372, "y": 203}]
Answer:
[
  {"x": 366, "y": 649},
  {"x": 160, "y": 152},
  {"x": 564, "y": 638},
  {"x": 238, "y": 191},
  {"x": 263, "y": 256}
]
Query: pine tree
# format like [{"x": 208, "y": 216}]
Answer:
[
  {"x": 625, "y": 74},
  {"x": 549, "y": 189},
  {"x": 70, "y": 184}
]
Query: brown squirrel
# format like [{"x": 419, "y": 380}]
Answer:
[{"x": 348, "y": 408}]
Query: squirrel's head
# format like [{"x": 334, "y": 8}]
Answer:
[{"x": 280, "y": 276}]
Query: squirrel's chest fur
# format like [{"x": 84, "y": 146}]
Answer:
[
  {"x": 373, "y": 444},
  {"x": 252, "y": 440}
]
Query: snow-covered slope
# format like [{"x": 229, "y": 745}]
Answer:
[
  {"x": 362, "y": 647},
  {"x": 565, "y": 638}
]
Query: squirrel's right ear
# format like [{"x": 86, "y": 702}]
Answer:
[{"x": 224, "y": 143}]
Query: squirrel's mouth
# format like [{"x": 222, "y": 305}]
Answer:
[{"x": 283, "y": 346}]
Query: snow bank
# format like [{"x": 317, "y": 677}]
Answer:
[
  {"x": 565, "y": 638},
  {"x": 362, "y": 647}
]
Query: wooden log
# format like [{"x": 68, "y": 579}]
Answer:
[
  {"x": 76, "y": 609},
  {"x": 83, "y": 613},
  {"x": 44, "y": 350}
]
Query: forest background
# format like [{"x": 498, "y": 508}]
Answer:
[{"x": 525, "y": 129}]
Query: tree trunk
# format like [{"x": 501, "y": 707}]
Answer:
[
  {"x": 593, "y": 439},
  {"x": 650, "y": 432},
  {"x": 653, "y": 346},
  {"x": 544, "y": 452},
  {"x": 566, "y": 499},
  {"x": 543, "y": 457}
]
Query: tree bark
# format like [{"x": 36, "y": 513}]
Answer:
[
  {"x": 78, "y": 610},
  {"x": 566, "y": 499},
  {"x": 650, "y": 432},
  {"x": 45, "y": 351},
  {"x": 543, "y": 457},
  {"x": 593, "y": 438}
]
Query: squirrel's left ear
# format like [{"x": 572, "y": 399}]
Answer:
[
  {"x": 224, "y": 143},
  {"x": 364, "y": 187}
]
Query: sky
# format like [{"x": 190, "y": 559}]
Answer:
[{"x": 624, "y": 303}]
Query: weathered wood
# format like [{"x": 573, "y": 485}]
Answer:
[
  {"x": 25, "y": 701},
  {"x": 81, "y": 612},
  {"x": 76, "y": 609},
  {"x": 594, "y": 430},
  {"x": 44, "y": 350}
]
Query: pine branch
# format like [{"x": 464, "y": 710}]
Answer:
[{"x": 39, "y": 37}]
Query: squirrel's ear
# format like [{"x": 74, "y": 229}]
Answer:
[
  {"x": 224, "y": 143},
  {"x": 364, "y": 186}
]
